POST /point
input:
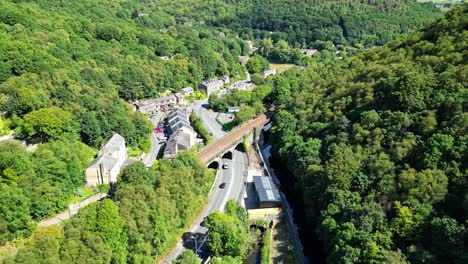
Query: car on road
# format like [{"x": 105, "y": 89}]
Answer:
[
  {"x": 225, "y": 166},
  {"x": 222, "y": 185}
]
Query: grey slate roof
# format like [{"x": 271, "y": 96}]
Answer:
[
  {"x": 178, "y": 119},
  {"x": 107, "y": 161},
  {"x": 177, "y": 141},
  {"x": 114, "y": 143},
  {"x": 180, "y": 125}
]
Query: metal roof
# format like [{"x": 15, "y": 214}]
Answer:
[
  {"x": 269, "y": 195},
  {"x": 262, "y": 182}
]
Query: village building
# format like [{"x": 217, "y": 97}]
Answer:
[
  {"x": 225, "y": 79},
  {"x": 187, "y": 91},
  {"x": 180, "y": 99},
  {"x": 309, "y": 51},
  {"x": 268, "y": 73},
  {"x": 244, "y": 86},
  {"x": 211, "y": 86},
  {"x": 149, "y": 105},
  {"x": 183, "y": 136},
  {"x": 243, "y": 60},
  {"x": 177, "y": 142},
  {"x": 106, "y": 166}
]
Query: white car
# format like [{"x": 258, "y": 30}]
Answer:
[{"x": 225, "y": 166}]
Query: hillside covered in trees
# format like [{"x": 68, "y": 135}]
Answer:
[
  {"x": 149, "y": 210},
  {"x": 66, "y": 70},
  {"x": 301, "y": 22},
  {"x": 376, "y": 145}
]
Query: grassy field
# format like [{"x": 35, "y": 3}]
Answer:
[{"x": 281, "y": 67}]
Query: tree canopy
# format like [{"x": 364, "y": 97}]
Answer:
[{"x": 377, "y": 147}]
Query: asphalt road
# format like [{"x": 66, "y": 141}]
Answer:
[
  {"x": 234, "y": 179},
  {"x": 209, "y": 120},
  {"x": 153, "y": 153}
]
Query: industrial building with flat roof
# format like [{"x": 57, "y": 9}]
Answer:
[{"x": 268, "y": 195}]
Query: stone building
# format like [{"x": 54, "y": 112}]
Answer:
[
  {"x": 211, "y": 86},
  {"x": 106, "y": 166}
]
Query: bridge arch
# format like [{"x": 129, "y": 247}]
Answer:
[
  {"x": 240, "y": 147},
  {"x": 214, "y": 165},
  {"x": 227, "y": 155}
]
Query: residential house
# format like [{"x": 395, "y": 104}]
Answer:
[
  {"x": 186, "y": 91},
  {"x": 139, "y": 14},
  {"x": 178, "y": 121},
  {"x": 177, "y": 142},
  {"x": 309, "y": 51},
  {"x": 243, "y": 60},
  {"x": 211, "y": 86},
  {"x": 165, "y": 58},
  {"x": 149, "y": 105},
  {"x": 268, "y": 73},
  {"x": 180, "y": 99},
  {"x": 106, "y": 166},
  {"x": 249, "y": 45},
  {"x": 244, "y": 86}
]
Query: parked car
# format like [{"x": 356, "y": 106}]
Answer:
[
  {"x": 225, "y": 166},
  {"x": 222, "y": 185}
]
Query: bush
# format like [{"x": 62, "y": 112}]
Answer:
[
  {"x": 197, "y": 124},
  {"x": 266, "y": 241}
]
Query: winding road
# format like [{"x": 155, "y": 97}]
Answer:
[{"x": 234, "y": 179}]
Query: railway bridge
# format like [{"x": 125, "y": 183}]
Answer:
[{"x": 212, "y": 153}]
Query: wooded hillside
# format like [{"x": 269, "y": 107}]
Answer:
[
  {"x": 301, "y": 22},
  {"x": 377, "y": 147}
]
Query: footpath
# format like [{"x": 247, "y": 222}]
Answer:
[{"x": 72, "y": 210}]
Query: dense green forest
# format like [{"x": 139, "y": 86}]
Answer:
[
  {"x": 148, "y": 212},
  {"x": 376, "y": 147},
  {"x": 301, "y": 22},
  {"x": 66, "y": 69}
]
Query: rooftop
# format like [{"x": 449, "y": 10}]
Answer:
[
  {"x": 155, "y": 100},
  {"x": 269, "y": 195},
  {"x": 114, "y": 143},
  {"x": 263, "y": 182},
  {"x": 107, "y": 161}
]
